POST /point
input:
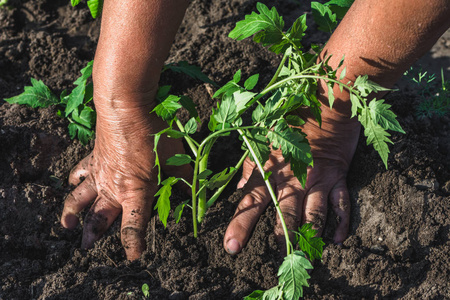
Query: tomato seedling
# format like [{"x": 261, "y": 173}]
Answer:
[{"x": 273, "y": 125}]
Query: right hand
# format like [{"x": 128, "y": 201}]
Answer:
[{"x": 119, "y": 176}]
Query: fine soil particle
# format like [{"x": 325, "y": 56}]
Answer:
[{"x": 398, "y": 247}]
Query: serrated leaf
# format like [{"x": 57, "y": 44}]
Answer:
[
  {"x": 251, "y": 82},
  {"x": 221, "y": 178},
  {"x": 297, "y": 31},
  {"x": 267, "y": 26},
  {"x": 226, "y": 113},
  {"x": 75, "y": 2},
  {"x": 190, "y": 70},
  {"x": 383, "y": 116},
  {"x": 82, "y": 133},
  {"x": 376, "y": 135},
  {"x": 366, "y": 86},
  {"x": 309, "y": 243},
  {"x": 179, "y": 210},
  {"x": 293, "y": 274},
  {"x": 179, "y": 160},
  {"x": 356, "y": 104},
  {"x": 84, "y": 115},
  {"x": 191, "y": 126},
  {"x": 95, "y": 7},
  {"x": 86, "y": 72},
  {"x": 339, "y": 7},
  {"x": 330, "y": 93},
  {"x": 294, "y": 147},
  {"x": 36, "y": 95},
  {"x": 343, "y": 73},
  {"x": 241, "y": 99},
  {"x": 76, "y": 98},
  {"x": 260, "y": 146},
  {"x": 189, "y": 105},
  {"x": 324, "y": 17},
  {"x": 168, "y": 108},
  {"x": 163, "y": 203}
]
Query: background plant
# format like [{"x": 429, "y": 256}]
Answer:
[
  {"x": 434, "y": 96},
  {"x": 293, "y": 85},
  {"x": 95, "y": 6}
]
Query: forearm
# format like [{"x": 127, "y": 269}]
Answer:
[
  {"x": 135, "y": 39},
  {"x": 382, "y": 38}
]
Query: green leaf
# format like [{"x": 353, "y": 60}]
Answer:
[
  {"x": 383, "y": 116},
  {"x": 330, "y": 86},
  {"x": 260, "y": 146},
  {"x": 145, "y": 290},
  {"x": 226, "y": 113},
  {"x": 179, "y": 160},
  {"x": 221, "y": 178},
  {"x": 84, "y": 115},
  {"x": 179, "y": 210},
  {"x": 267, "y": 26},
  {"x": 163, "y": 93},
  {"x": 356, "y": 104},
  {"x": 297, "y": 31},
  {"x": 241, "y": 99},
  {"x": 76, "y": 98},
  {"x": 190, "y": 70},
  {"x": 339, "y": 7},
  {"x": 191, "y": 126},
  {"x": 230, "y": 87},
  {"x": 294, "y": 146},
  {"x": 308, "y": 243},
  {"x": 293, "y": 274},
  {"x": 82, "y": 133},
  {"x": 155, "y": 150},
  {"x": 272, "y": 294},
  {"x": 75, "y": 2},
  {"x": 251, "y": 82},
  {"x": 188, "y": 104},
  {"x": 37, "y": 95},
  {"x": 324, "y": 17},
  {"x": 376, "y": 135},
  {"x": 95, "y": 7},
  {"x": 163, "y": 203},
  {"x": 366, "y": 86},
  {"x": 86, "y": 72},
  {"x": 174, "y": 134},
  {"x": 168, "y": 108},
  {"x": 294, "y": 120},
  {"x": 204, "y": 174}
]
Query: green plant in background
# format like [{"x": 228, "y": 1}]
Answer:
[
  {"x": 95, "y": 6},
  {"x": 293, "y": 85},
  {"x": 435, "y": 97},
  {"x": 327, "y": 15},
  {"x": 73, "y": 106},
  {"x": 3, "y": 3}
]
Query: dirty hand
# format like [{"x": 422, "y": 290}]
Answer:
[
  {"x": 119, "y": 176},
  {"x": 332, "y": 147}
]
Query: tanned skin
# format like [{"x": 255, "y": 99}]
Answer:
[{"x": 381, "y": 38}]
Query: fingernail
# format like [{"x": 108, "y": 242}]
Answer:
[
  {"x": 233, "y": 246},
  {"x": 70, "y": 221}
]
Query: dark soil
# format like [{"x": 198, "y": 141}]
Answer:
[{"x": 398, "y": 246}]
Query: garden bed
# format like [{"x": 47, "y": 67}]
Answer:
[{"x": 400, "y": 226}]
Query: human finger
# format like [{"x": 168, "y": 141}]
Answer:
[
  {"x": 340, "y": 201},
  {"x": 247, "y": 214},
  {"x": 315, "y": 207},
  {"x": 99, "y": 218},
  {"x": 76, "y": 201},
  {"x": 247, "y": 171},
  {"x": 80, "y": 171},
  {"x": 135, "y": 218},
  {"x": 290, "y": 197}
]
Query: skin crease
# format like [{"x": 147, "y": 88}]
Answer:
[{"x": 378, "y": 37}]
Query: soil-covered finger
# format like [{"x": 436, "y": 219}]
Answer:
[
  {"x": 247, "y": 214},
  {"x": 136, "y": 215},
  {"x": 76, "y": 201},
  {"x": 290, "y": 197},
  {"x": 315, "y": 208},
  {"x": 340, "y": 202},
  {"x": 99, "y": 218},
  {"x": 80, "y": 171}
]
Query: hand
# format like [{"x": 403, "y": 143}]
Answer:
[
  {"x": 332, "y": 147},
  {"x": 119, "y": 176}
]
